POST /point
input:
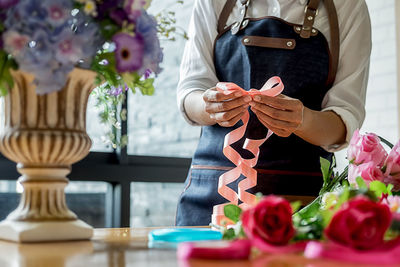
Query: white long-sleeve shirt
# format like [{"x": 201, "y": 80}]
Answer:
[{"x": 347, "y": 96}]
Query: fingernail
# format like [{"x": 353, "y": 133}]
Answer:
[
  {"x": 247, "y": 99},
  {"x": 257, "y": 98},
  {"x": 212, "y": 116},
  {"x": 238, "y": 94}
]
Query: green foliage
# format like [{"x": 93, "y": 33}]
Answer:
[
  {"x": 386, "y": 142},
  {"x": 6, "y": 80},
  {"x": 379, "y": 189},
  {"x": 308, "y": 228},
  {"x": 326, "y": 169},
  {"x": 232, "y": 212},
  {"x": 361, "y": 183},
  {"x": 108, "y": 29},
  {"x": 229, "y": 234},
  {"x": 295, "y": 206}
]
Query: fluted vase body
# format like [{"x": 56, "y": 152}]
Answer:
[{"x": 45, "y": 135}]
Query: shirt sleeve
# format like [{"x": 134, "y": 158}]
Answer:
[
  {"x": 197, "y": 72},
  {"x": 347, "y": 96}
]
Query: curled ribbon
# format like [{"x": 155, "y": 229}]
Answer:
[{"x": 245, "y": 167}]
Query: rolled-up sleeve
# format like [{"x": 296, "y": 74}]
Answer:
[
  {"x": 347, "y": 96},
  {"x": 197, "y": 72}
]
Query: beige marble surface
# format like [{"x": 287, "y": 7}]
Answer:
[{"x": 128, "y": 247}]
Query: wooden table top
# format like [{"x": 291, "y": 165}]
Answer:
[{"x": 128, "y": 247}]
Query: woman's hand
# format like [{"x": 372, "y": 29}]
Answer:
[
  {"x": 226, "y": 110},
  {"x": 281, "y": 114}
]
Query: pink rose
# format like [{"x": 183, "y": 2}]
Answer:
[
  {"x": 366, "y": 148},
  {"x": 360, "y": 224},
  {"x": 368, "y": 171},
  {"x": 270, "y": 221},
  {"x": 392, "y": 164},
  {"x": 393, "y": 202},
  {"x": 393, "y": 161}
]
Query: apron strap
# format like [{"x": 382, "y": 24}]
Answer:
[
  {"x": 226, "y": 11},
  {"x": 335, "y": 40},
  {"x": 311, "y": 12}
]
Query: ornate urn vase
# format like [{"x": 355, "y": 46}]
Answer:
[{"x": 45, "y": 135}]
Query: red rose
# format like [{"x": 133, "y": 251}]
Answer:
[
  {"x": 270, "y": 221},
  {"x": 360, "y": 223}
]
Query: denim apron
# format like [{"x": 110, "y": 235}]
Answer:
[{"x": 248, "y": 53}]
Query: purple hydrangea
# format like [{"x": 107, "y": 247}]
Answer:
[
  {"x": 8, "y": 3},
  {"x": 146, "y": 26},
  {"x": 48, "y": 40}
]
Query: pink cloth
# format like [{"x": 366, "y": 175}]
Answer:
[
  {"x": 222, "y": 250},
  {"x": 245, "y": 167},
  {"x": 389, "y": 253}
]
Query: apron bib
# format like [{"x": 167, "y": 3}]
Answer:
[{"x": 248, "y": 53}]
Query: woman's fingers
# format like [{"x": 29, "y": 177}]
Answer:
[
  {"x": 278, "y": 131},
  {"x": 231, "y": 122},
  {"x": 228, "y": 115},
  {"x": 213, "y": 95},
  {"x": 282, "y": 115},
  {"x": 281, "y": 102},
  {"x": 278, "y": 114},
  {"x": 276, "y": 123},
  {"x": 216, "y": 107}
]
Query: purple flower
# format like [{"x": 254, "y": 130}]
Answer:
[
  {"x": 8, "y": 3},
  {"x": 129, "y": 52},
  {"x": 15, "y": 42},
  {"x": 146, "y": 27},
  {"x": 59, "y": 11},
  {"x": 147, "y": 73},
  {"x": 116, "y": 91},
  {"x": 134, "y": 8},
  {"x": 51, "y": 79},
  {"x": 69, "y": 47}
]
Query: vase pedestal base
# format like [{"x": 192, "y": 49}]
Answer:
[{"x": 25, "y": 231}]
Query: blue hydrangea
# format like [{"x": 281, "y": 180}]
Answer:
[{"x": 58, "y": 40}]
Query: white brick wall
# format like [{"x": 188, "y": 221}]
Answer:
[{"x": 381, "y": 104}]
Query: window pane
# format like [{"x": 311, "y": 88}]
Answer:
[
  {"x": 156, "y": 126},
  {"x": 95, "y": 129},
  {"x": 147, "y": 210}
]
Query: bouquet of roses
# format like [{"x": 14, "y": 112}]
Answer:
[
  {"x": 356, "y": 218},
  {"x": 117, "y": 39}
]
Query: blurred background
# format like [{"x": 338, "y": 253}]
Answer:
[{"x": 159, "y": 135}]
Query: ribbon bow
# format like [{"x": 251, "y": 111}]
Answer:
[{"x": 245, "y": 167}]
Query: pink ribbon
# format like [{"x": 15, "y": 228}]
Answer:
[
  {"x": 388, "y": 253},
  {"x": 272, "y": 87}
]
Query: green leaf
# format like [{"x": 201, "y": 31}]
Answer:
[
  {"x": 232, "y": 212},
  {"x": 108, "y": 29},
  {"x": 361, "y": 183},
  {"x": 295, "y": 206},
  {"x": 343, "y": 197},
  {"x": 229, "y": 234},
  {"x": 378, "y": 188},
  {"x": 389, "y": 189},
  {"x": 326, "y": 169}
]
